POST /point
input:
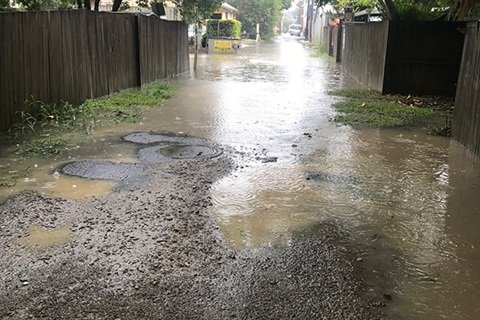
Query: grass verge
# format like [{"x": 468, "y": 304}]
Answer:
[
  {"x": 319, "y": 51},
  {"x": 51, "y": 120},
  {"x": 370, "y": 108}
]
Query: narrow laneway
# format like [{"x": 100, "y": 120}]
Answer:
[{"x": 297, "y": 217}]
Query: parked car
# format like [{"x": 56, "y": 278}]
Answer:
[{"x": 295, "y": 30}]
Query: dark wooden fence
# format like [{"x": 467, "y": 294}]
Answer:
[
  {"x": 423, "y": 57},
  {"x": 158, "y": 39},
  {"x": 332, "y": 41},
  {"x": 466, "y": 116},
  {"x": 327, "y": 40},
  {"x": 75, "y": 55},
  {"x": 337, "y": 42},
  {"x": 365, "y": 51},
  {"x": 405, "y": 57}
]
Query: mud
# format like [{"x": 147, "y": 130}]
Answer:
[{"x": 157, "y": 253}]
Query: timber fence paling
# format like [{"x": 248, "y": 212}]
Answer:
[
  {"x": 364, "y": 54},
  {"x": 419, "y": 59},
  {"x": 466, "y": 118},
  {"x": 337, "y": 42},
  {"x": 6, "y": 61},
  {"x": 75, "y": 55}
]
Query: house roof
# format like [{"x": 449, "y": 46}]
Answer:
[
  {"x": 229, "y": 8},
  {"x": 365, "y": 12}
]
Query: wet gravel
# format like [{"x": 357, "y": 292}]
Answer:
[{"x": 157, "y": 253}]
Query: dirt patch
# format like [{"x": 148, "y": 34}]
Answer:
[{"x": 157, "y": 253}]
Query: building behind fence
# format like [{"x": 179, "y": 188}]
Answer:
[
  {"x": 466, "y": 117},
  {"x": 76, "y": 55}
]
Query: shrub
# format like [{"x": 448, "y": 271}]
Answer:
[{"x": 223, "y": 28}]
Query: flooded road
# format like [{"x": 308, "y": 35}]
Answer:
[{"x": 410, "y": 199}]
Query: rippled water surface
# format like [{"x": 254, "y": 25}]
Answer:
[{"x": 410, "y": 198}]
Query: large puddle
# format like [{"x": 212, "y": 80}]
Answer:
[{"x": 411, "y": 198}]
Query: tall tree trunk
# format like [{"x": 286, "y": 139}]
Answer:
[
  {"x": 116, "y": 5},
  {"x": 87, "y": 5},
  {"x": 79, "y": 4},
  {"x": 97, "y": 5}
]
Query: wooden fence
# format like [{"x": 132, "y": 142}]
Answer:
[
  {"x": 423, "y": 57},
  {"x": 337, "y": 42},
  {"x": 327, "y": 40},
  {"x": 466, "y": 116},
  {"x": 332, "y": 41},
  {"x": 75, "y": 55},
  {"x": 365, "y": 51},
  {"x": 409, "y": 58}
]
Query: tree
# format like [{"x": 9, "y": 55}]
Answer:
[
  {"x": 194, "y": 12},
  {"x": 411, "y": 9},
  {"x": 5, "y": 6},
  {"x": 286, "y": 4},
  {"x": 267, "y": 13},
  {"x": 37, "y": 5}
]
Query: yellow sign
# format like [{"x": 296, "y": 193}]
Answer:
[{"x": 222, "y": 46}]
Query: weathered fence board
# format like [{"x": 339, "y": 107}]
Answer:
[
  {"x": 364, "y": 54},
  {"x": 423, "y": 57},
  {"x": 337, "y": 43},
  {"x": 75, "y": 55},
  {"x": 327, "y": 39},
  {"x": 466, "y": 117},
  {"x": 160, "y": 38},
  {"x": 400, "y": 57}
]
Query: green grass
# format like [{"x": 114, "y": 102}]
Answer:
[
  {"x": 319, "y": 51},
  {"x": 125, "y": 106},
  {"x": 370, "y": 108},
  {"x": 56, "y": 119},
  {"x": 50, "y": 147}
]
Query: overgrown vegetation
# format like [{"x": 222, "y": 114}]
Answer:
[
  {"x": 370, "y": 108},
  {"x": 411, "y": 10},
  {"x": 266, "y": 13},
  {"x": 47, "y": 147},
  {"x": 319, "y": 51},
  {"x": 223, "y": 28},
  {"x": 50, "y": 120}
]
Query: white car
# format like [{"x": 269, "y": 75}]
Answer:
[{"x": 295, "y": 30}]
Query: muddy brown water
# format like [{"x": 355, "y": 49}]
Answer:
[{"x": 410, "y": 198}]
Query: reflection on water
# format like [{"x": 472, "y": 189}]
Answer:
[
  {"x": 18, "y": 173},
  {"x": 414, "y": 200}
]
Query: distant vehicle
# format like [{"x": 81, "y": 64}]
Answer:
[{"x": 295, "y": 30}]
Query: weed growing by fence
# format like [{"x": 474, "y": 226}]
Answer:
[
  {"x": 125, "y": 105},
  {"x": 319, "y": 51},
  {"x": 370, "y": 108},
  {"x": 53, "y": 120},
  {"x": 48, "y": 147}
]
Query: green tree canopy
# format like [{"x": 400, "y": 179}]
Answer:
[
  {"x": 412, "y": 9},
  {"x": 267, "y": 13},
  {"x": 196, "y": 10},
  {"x": 36, "y": 5}
]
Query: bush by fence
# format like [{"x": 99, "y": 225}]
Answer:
[
  {"x": 75, "y": 55},
  {"x": 223, "y": 28}
]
